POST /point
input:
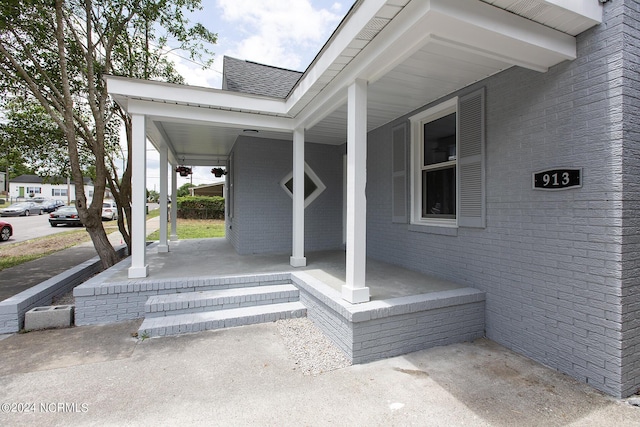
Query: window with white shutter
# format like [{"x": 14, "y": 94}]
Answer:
[
  {"x": 447, "y": 179},
  {"x": 471, "y": 177}
]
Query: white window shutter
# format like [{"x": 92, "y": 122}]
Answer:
[
  {"x": 471, "y": 160},
  {"x": 399, "y": 173}
]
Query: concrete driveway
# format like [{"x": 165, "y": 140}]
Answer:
[{"x": 100, "y": 375}]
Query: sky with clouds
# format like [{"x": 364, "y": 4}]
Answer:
[{"x": 282, "y": 33}]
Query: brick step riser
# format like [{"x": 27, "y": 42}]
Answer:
[
  {"x": 202, "y": 287},
  {"x": 206, "y": 325},
  {"x": 220, "y": 303}
]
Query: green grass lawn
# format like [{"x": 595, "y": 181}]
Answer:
[
  {"x": 153, "y": 213},
  {"x": 12, "y": 254},
  {"x": 195, "y": 229}
]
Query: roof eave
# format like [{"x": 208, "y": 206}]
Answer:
[
  {"x": 475, "y": 26},
  {"x": 123, "y": 90}
]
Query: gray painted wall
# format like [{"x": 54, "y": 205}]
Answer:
[
  {"x": 630, "y": 253},
  {"x": 551, "y": 263},
  {"x": 263, "y": 210}
]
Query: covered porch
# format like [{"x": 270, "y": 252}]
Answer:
[
  {"x": 385, "y": 60},
  {"x": 217, "y": 258},
  {"x": 204, "y": 284}
]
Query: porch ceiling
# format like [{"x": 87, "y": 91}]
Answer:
[{"x": 411, "y": 52}]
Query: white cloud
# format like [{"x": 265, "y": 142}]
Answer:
[
  {"x": 283, "y": 33},
  {"x": 196, "y": 76}
]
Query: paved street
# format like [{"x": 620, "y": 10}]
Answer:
[{"x": 30, "y": 227}]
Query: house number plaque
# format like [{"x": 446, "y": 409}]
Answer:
[{"x": 557, "y": 179}]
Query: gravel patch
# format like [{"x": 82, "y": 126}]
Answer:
[
  {"x": 66, "y": 299},
  {"x": 312, "y": 351}
]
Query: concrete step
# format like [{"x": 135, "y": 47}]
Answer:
[
  {"x": 207, "y": 320},
  {"x": 221, "y": 299}
]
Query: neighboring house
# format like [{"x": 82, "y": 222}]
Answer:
[
  {"x": 216, "y": 189},
  {"x": 492, "y": 144},
  {"x": 24, "y": 186}
]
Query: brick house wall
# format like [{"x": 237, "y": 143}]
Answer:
[
  {"x": 559, "y": 268},
  {"x": 263, "y": 210},
  {"x": 628, "y": 20}
]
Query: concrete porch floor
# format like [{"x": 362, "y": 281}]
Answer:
[
  {"x": 407, "y": 312},
  {"x": 217, "y": 257}
]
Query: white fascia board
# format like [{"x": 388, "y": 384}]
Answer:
[
  {"x": 191, "y": 95},
  {"x": 591, "y": 10},
  {"x": 233, "y": 119},
  {"x": 310, "y": 116},
  {"x": 353, "y": 25},
  {"x": 401, "y": 38},
  {"x": 461, "y": 24},
  {"x": 481, "y": 24}
]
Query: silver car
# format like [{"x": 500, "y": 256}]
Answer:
[
  {"x": 109, "y": 210},
  {"x": 22, "y": 209}
]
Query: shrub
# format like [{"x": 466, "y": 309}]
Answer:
[{"x": 201, "y": 207}]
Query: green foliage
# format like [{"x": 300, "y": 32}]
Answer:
[
  {"x": 201, "y": 207},
  {"x": 153, "y": 196},
  {"x": 56, "y": 53},
  {"x": 32, "y": 139},
  {"x": 183, "y": 191}
]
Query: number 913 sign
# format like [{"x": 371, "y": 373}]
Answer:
[{"x": 557, "y": 179}]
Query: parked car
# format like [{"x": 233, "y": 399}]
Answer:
[
  {"x": 6, "y": 231},
  {"x": 48, "y": 205},
  {"x": 109, "y": 210},
  {"x": 21, "y": 209},
  {"x": 59, "y": 203},
  {"x": 65, "y": 215}
]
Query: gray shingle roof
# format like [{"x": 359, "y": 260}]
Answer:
[{"x": 257, "y": 79}]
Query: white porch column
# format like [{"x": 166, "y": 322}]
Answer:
[
  {"x": 174, "y": 204},
  {"x": 139, "y": 267},
  {"x": 297, "y": 257},
  {"x": 355, "y": 291},
  {"x": 163, "y": 246}
]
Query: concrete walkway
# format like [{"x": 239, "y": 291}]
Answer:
[{"x": 100, "y": 375}]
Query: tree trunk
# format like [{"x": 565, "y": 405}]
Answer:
[
  {"x": 105, "y": 250},
  {"x": 121, "y": 189},
  {"x": 91, "y": 216}
]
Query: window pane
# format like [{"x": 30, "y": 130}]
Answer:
[
  {"x": 309, "y": 186},
  {"x": 439, "y": 193},
  {"x": 440, "y": 140}
]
